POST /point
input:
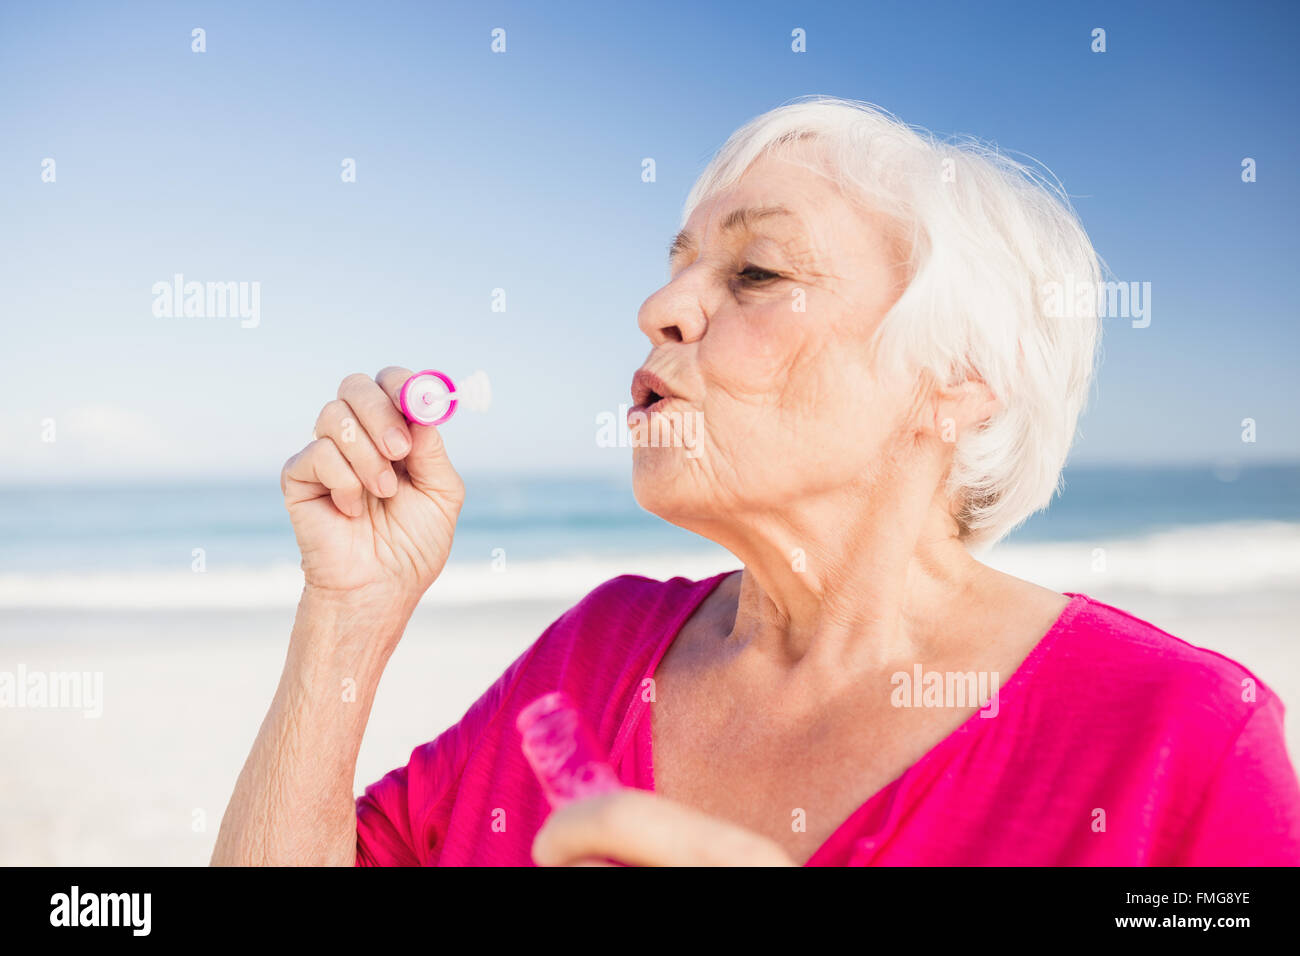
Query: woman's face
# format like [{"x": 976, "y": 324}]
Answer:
[{"x": 762, "y": 335}]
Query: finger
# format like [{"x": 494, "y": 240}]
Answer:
[
  {"x": 378, "y": 415},
  {"x": 338, "y": 421},
  {"x": 636, "y": 827},
  {"x": 427, "y": 463},
  {"x": 322, "y": 466},
  {"x": 390, "y": 381}
]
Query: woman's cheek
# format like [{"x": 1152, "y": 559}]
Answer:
[{"x": 750, "y": 363}]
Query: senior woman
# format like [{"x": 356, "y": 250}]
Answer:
[{"x": 861, "y": 320}]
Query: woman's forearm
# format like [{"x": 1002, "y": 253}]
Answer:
[{"x": 293, "y": 803}]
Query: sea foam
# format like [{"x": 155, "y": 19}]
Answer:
[{"x": 1225, "y": 558}]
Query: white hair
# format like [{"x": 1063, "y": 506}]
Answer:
[{"x": 988, "y": 238}]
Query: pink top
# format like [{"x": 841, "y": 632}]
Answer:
[{"x": 1114, "y": 744}]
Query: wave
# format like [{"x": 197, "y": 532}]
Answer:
[
  {"x": 279, "y": 585},
  {"x": 1225, "y": 558}
]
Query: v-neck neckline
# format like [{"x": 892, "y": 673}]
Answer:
[{"x": 638, "y": 719}]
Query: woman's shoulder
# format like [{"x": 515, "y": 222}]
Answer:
[
  {"x": 597, "y": 652},
  {"x": 639, "y": 592},
  {"x": 619, "y": 623},
  {"x": 1125, "y": 663}
]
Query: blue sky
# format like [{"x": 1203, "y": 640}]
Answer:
[{"x": 521, "y": 171}]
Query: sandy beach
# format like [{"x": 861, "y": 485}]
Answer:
[
  {"x": 184, "y": 693},
  {"x": 185, "y": 690}
]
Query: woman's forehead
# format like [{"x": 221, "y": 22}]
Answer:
[
  {"x": 775, "y": 183},
  {"x": 791, "y": 204}
]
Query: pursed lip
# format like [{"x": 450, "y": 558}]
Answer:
[{"x": 648, "y": 390}]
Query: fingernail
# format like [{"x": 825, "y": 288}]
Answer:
[
  {"x": 388, "y": 484},
  {"x": 396, "y": 443}
]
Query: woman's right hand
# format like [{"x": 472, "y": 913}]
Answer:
[{"x": 373, "y": 500}]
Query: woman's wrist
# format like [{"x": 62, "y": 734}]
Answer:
[{"x": 357, "y": 628}]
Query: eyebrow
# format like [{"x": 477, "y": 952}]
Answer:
[{"x": 744, "y": 218}]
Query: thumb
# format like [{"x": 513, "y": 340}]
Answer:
[{"x": 426, "y": 464}]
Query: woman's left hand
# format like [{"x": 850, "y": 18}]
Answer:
[{"x": 637, "y": 828}]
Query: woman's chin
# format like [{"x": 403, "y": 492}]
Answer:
[{"x": 658, "y": 479}]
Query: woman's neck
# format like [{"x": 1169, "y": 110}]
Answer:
[{"x": 857, "y": 579}]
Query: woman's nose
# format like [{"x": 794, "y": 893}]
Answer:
[{"x": 670, "y": 315}]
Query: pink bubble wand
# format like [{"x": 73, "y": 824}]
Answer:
[{"x": 431, "y": 397}]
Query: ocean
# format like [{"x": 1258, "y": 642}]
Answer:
[{"x": 1169, "y": 529}]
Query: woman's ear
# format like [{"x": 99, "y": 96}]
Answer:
[{"x": 957, "y": 409}]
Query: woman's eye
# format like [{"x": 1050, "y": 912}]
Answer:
[{"x": 755, "y": 274}]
